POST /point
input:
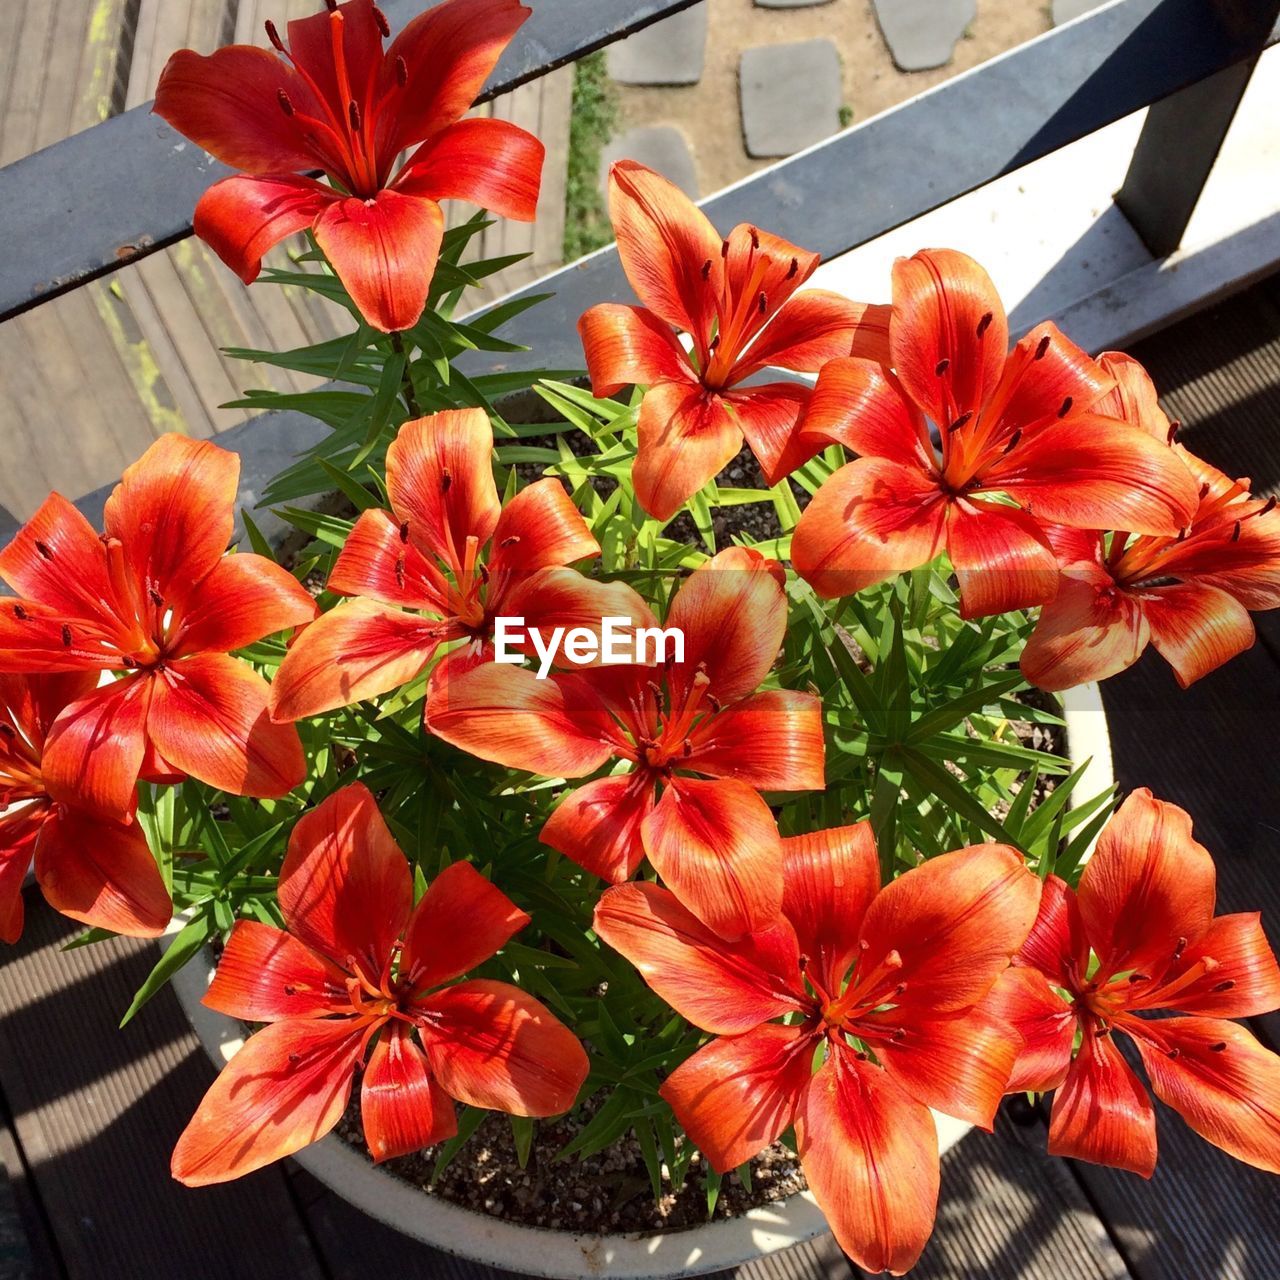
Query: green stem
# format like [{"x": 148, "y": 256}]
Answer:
[{"x": 406, "y": 388}]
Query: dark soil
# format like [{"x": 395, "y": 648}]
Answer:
[{"x": 605, "y": 1193}]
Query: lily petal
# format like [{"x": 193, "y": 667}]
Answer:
[
  {"x": 1023, "y": 1000},
  {"x": 598, "y": 825},
  {"x": 1001, "y": 556},
  {"x": 402, "y": 1106},
  {"x": 1196, "y": 628},
  {"x": 769, "y": 419},
  {"x": 1046, "y": 377},
  {"x": 245, "y": 598},
  {"x": 378, "y": 563},
  {"x": 19, "y": 829},
  {"x": 627, "y": 346},
  {"x": 861, "y": 405},
  {"x": 814, "y": 327},
  {"x": 1057, "y": 945},
  {"x": 771, "y": 740},
  {"x": 540, "y": 528},
  {"x": 265, "y": 974}
]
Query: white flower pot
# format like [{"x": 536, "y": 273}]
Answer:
[{"x": 565, "y": 1255}]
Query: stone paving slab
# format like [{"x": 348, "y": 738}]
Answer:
[
  {"x": 922, "y": 34},
  {"x": 661, "y": 147},
  {"x": 789, "y": 4},
  {"x": 668, "y": 52},
  {"x": 1065, "y": 10},
  {"x": 790, "y": 96}
]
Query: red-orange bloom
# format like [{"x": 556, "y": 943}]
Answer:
[
  {"x": 1144, "y": 913},
  {"x": 335, "y": 100},
  {"x": 453, "y": 554},
  {"x": 154, "y": 598},
  {"x": 99, "y": 872},
  {"x": 1188, "y": 595},
  {"x": 712, "y": 838},
  {"x": 1025, "y": 425},
  {"x": 887, "y": 981},
  {"x": 363, "y": 977},
  {"x": 737, "y": 301}
]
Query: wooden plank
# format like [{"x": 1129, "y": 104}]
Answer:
[{"x": 97, "y": 1111}]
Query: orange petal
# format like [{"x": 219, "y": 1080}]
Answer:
[
  {"x": 1090, "y": 630},
  {"x": 686, "y": 436},
  {"x": 345, "y": 887},
  {"x": 460, "y": 922},
  {"x": 1134, "y": 397},
  {"x": 1102, "y": 1113},
  {"x": 1057, "y": 945},
  {"x": 1001, "y": 556},
  {"x": 1147, "y": 885},
  {"x": 949, "y": 335},
  {"x": 491, "y": 1045},
  {"x": 736, "y": 1095},
  {"x": 829, "y": 879},
  {"x": 871, "y": 520},
  {"x": 726, "y": 988},
  {"x": 812, "y": 328},
  {"x": 859, "y": 404},
  {"x": 101, "y": 873},
  {"x": 265, "y": 974},
  {"x": 770, "y": 740},
  {"x": 1025, "y": 1003},
  {"x": 440, "y": 480},
  {"x": 538, "y": 529},
  {"x": 1046, "y": 377},
  {"x": 598, "y": 825},
  {"x": 18, "y": 831},
  {"x": 402, "y": 1106},
  {"x": 209, "y": 719},
  {"x": 492, "y": 163},
  {"x": 715, "y": 843},
  {"x": 245, "y": 598},
  {"x": 1221, "y": 1081},
  {"x": 1196, "y": 628},
  {"x": 955, "y": 923},
  {"x": 769, "y": 419},
  {"x": 870, "y": 1154},
  {"x": 384, "y": 251},
  {"x": 284, "y": 1090},
  {"x": 629, "y": 346},
  {"x": 665, "y": 243},
  {"x": 377, "y": 563}
]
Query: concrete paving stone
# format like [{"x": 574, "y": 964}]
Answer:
[
  {"x": 668, "y": 52},
  {"x": 922, "y": 33},
  {"x": 789, "y": 4},
  {"x": 790, "y": 96},
  {"x": 662, "y": 147},
  {"x": 1065, "y": 10}
]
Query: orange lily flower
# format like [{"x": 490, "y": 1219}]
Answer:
[
  {"x": 1025, "y": 425},
  {"x": 711, "y": 837},
  {"x": 737, "y": 301},
  {"x": 1188, "y": 595},
  {"x": 888, "y": 982},
  {"x": 362, "y": 977},
  {"x": 450, "y": 552},
  {"x": 155, "y": 599},
  {"x": 1144, "y": 912},
  {"x": 333, "y": 99},
  {"x": 99, "y": 872}
]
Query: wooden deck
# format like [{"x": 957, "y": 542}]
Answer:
[
  {"x": 91, "y": 379},
  {"x": 88, "y": 1114}
]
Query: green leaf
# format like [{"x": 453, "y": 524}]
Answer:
[
  {"x": 522, "y": 1131},
  {"x": 186, "y": 944}
]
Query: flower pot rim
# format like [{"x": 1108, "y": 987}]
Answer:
[{"x": 567, "y": 1255}]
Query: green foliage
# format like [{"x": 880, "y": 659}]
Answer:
[{"x": 594, "y": 117}]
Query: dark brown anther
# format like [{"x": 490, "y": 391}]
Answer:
[
  {"x": 1225, "y": 985},
  {"x": 962, "y": 421},
  {"x": 402, "y": 72},
  {"x": 384, "y": 27},
  {"x": 1139, "y": 977},
  {"x": 353, "y": 114},
  {"x": 942, "y": 366},
  {"x": 1182, "y": 534},
  {"x": 331, "y": 5},
  {"x": 1218, "y": 1048},
  {"x": 156, "y": 598},
  {"x": 66, "y": 636},
  {"x": 706, "y": 269},
  {"x": 861, "y": 1057},
  {"x": 715, "y": 703},
  {"x": 20, "y": 613},
  {"x": 510, "y": 541},
  {"x": 483, "y": 571},
  {"x": 290, "y": 990},
  {"x": 286, "y": 104},
  {"x": 724, "y": 248},
  {"x": 899, "y": 1034},
  {"x": 274, "y": 36},
  {"x": 900, "y": 988},
  {"x": 1204, "y": 491},
  {"x": 129, "y": 662},
  {"x": 764, "y": 304},
  {"x": 803, "y": 961},
  {"x": 1235, "y": 533},
  {"x": 1066, "y": 407},
  {"x": 714, "y": 343},
  {"x": 400, "y": 572},
  {"x": 755, "y": 238},
  {"x": 294, "y": 1059},
  {"x": 445, "y": 481},
  {"x": 687, "y": 748},
  {"x": 1042, "y": 347},
  {"x": 1013, "y": 441},
  {"x": 404, "y": 531},
  {"x": 1269, "y": 506},
  {"x": 985, "y": 323},
  {"x": 1174, "y": 1054},
  {"x": 1180, "y": 948},
  {"x": 7, "y": 729},
  {"x": 44, "y": 550},
  {"x": 1174, "y": 428},
  {"x": 794, "y": 269}
]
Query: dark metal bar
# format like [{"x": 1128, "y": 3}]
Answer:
[
  {"x": 126, "y": 188},
  {"x": 935, "y": 147},
  {"x": 1182, "y": 136}
]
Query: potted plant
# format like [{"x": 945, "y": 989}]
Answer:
[{"x": 673, "y": 791}]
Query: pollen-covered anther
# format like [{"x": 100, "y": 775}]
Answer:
[
  {"x": 1225, "y": 985},
  {"x": 402, "y": 72},
  {"x": 404, "y": 531},
  {"x": 286, "y": 103},
  {"x": 274, "y": 36},
  {"x": 706, "y": 269},
  {"x": 1014, "y": 440},
  {"x": 755, "y": 238},
  {"x": 384, "y": 27},
  {"x": 962, "y": 421},
  {"x": 1066, "y": 407},
  {"x": 1175, "y": 1053},
  {"x": 1235, "y": 533},
  {"x": 985, "y": 323},
  {"x": 66, "y": 636},
  {"x": 20, "y": 613},
  {"x": 764, "y": 304},
  {"x": 45, "y": 550},
  {"x": 1174, "y": 427},
  {"x": 1042, "y": 347},
  {"x": 510, "y": 541},
  {"x": 794, "y": 269},
  {"x": 400, "y": 572},
  {"x": 687, "y": 748},
  {"x": 1218, "y": 1047},
  {"x": 445, "y": 480},
  {"x": 156, "y": 598},
  {"x": 942, "y": 366},
  {"x": 724, "y": 248},
  {"x": 353, "y": 114}
]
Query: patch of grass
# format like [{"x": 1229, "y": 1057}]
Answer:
[
  {"x": 846, "y": 115},
  {"x": 595, "y": 114}
]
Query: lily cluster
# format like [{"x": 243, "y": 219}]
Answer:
[{"x": 819, "y": 1003}]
